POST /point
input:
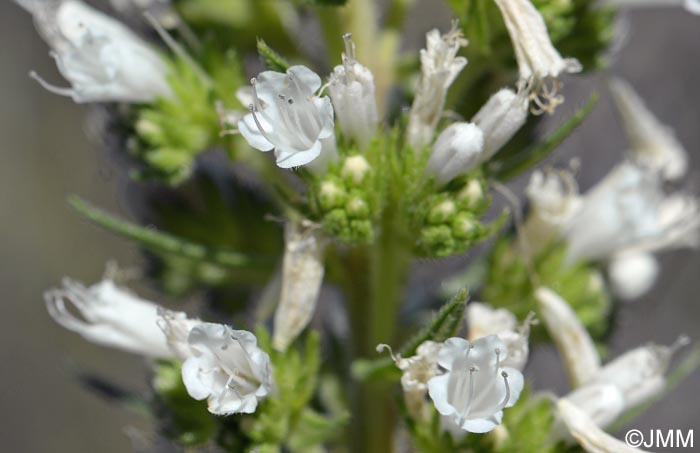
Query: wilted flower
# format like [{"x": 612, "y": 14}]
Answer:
[
  {"x": 628, "y": 209},
  {"x": 456, "y": 151},
  {"x": 539, "y": 63},
  {"x": 227, "y": 368},
  {"x": 111, "y": 316},
  {"x": 440, "y": 65},
  {"x": 484, "y": 320},
  {"x": 101, "y": 58},
  {"x": 475, "y": 388},
  {"x": 288, "y": 117},
  {"x": 302, "y": 276},
  {"x": 353, "y": 93},
  {"x": 499, "y": 119},
  {"x": 580, "y": 356},
  {"x": 653, "y": 145}
]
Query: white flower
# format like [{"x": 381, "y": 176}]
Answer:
[
  {"x": 484, "y": 320},
  {"x": 101, "y": 58},
  {"x": 302, "y": 276},
  {"x": 692, "y": 6},
  {"x": 603, "y": 403},
  {"x": 227, "y": 368},
  {"x": 109, "y": 316},
  {"x": 575, "y": 345},
  {"x": 632, "y": 274},
  {"x": 476, "y": 387},
  {"x": 353, "y": 93},
  {"x": 554, "y": 200},
  {"x": 628, "y": 209},
  {"x": 500, "y": 118},
  {"x": 653, "y": 145},
  {"x": 420, "y": 368},
  {"x": 539, "y": 63},
  {"x": 440, "y": 65},
  {"x": 639, "y": 374},
  {"x": 456, "y": 151},
  {"x": 288, "y": 117},
  {"x": 176, "y": 327}
]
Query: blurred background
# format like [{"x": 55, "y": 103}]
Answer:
[{"x": 46, "y": 155}]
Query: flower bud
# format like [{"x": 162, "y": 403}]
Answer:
[
  {"x": 499, "y": 119},
  {"x": 353, "y": 94},
  {"x": 456, "y": 151},
  {"x": 632, "y": 274},
  {"x": 302, "y": 276},
  {"x": 331, "y": 195},
  {"x": 355, "y": 168},
  {"x": 571, "y": 338},
  {"x": 472, "y": 193},
  {"x": 442, "y": 212}
]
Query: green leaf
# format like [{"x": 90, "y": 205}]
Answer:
[
  {"x": 531, "y": 156},
  {"x": 157, "y": 240},
  {"x": 443, "y": 326},
  {"x": 313, "y": 429},
  {"x": 273, "y": 60}
]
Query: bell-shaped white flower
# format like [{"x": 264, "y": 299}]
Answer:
[
  {"x": 692, "y": 6},
  {"x": 500, "y": 118},
  {"x": 554, "y": 200},
  {"x": 101, "y": 58},
  {"x": 352, "y": 91},
  {"x": 109, "y": 316},
  {"x": 302, "y": 276},
  {"x": 632, "y": 274},
  {"x": 475, "y": 388},
  {"x": 629, "y": 209},
  {"x": 440, "y": 65},
  {"x": 653, "y": 145},
  {"x": 573, "y": 341},
  {"x": 227, "y": 368},
  {"x": 176, "y": 327},
  {"x": 484, "y": 320},
  {"x": 639, "y": 374},
  {"x": 539, "y": 63},
  {"x": 287, "y": 116},
  {"x": 456, "y": 151}
]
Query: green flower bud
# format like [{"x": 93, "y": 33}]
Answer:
[
  {"x": 472, "y": 194},
  {"x": 443, "y": 212},
  {"x": 357, "y": 207},
  {"x": 354, "y": 169},
  {"x": 331, "y": 195},
  {"x": 438, "y": 240},
  {"x": 465, "y": 226}
]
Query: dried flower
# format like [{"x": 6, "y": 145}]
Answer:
[
  {"x": 475, "y": 388},
  {"x": 539, "y": 63},
  {"x": 302, "y": 275},
  {"x": 353, "y": 93},
  {"x": 440, "y": 65},
  {"x": 456, "y": 151},
  {"x": 288, "y": 117},
  {"x": 111, "y": 316},
  {"x": 176, "y": 327},
  {"x": 101, "y": 58},
  {"x": 227, "y": 368}
]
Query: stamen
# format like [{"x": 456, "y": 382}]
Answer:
[
  {"x": 385, "y": 347},
  {"x": 498, "y": 359},
  {"x": 69, "y": 92},
  {"x": 470, "y": 397},
  {"x": 507, "y": 398}
]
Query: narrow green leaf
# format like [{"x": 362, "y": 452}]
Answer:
[
  {"x": 158, "y": 241},
  {"x": 444, "y": 325},
  {"x": 520, "y": 162},
  {"x": 273, "y": 60}
]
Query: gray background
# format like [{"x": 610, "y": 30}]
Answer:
[{"x": 45, "y": 156}]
